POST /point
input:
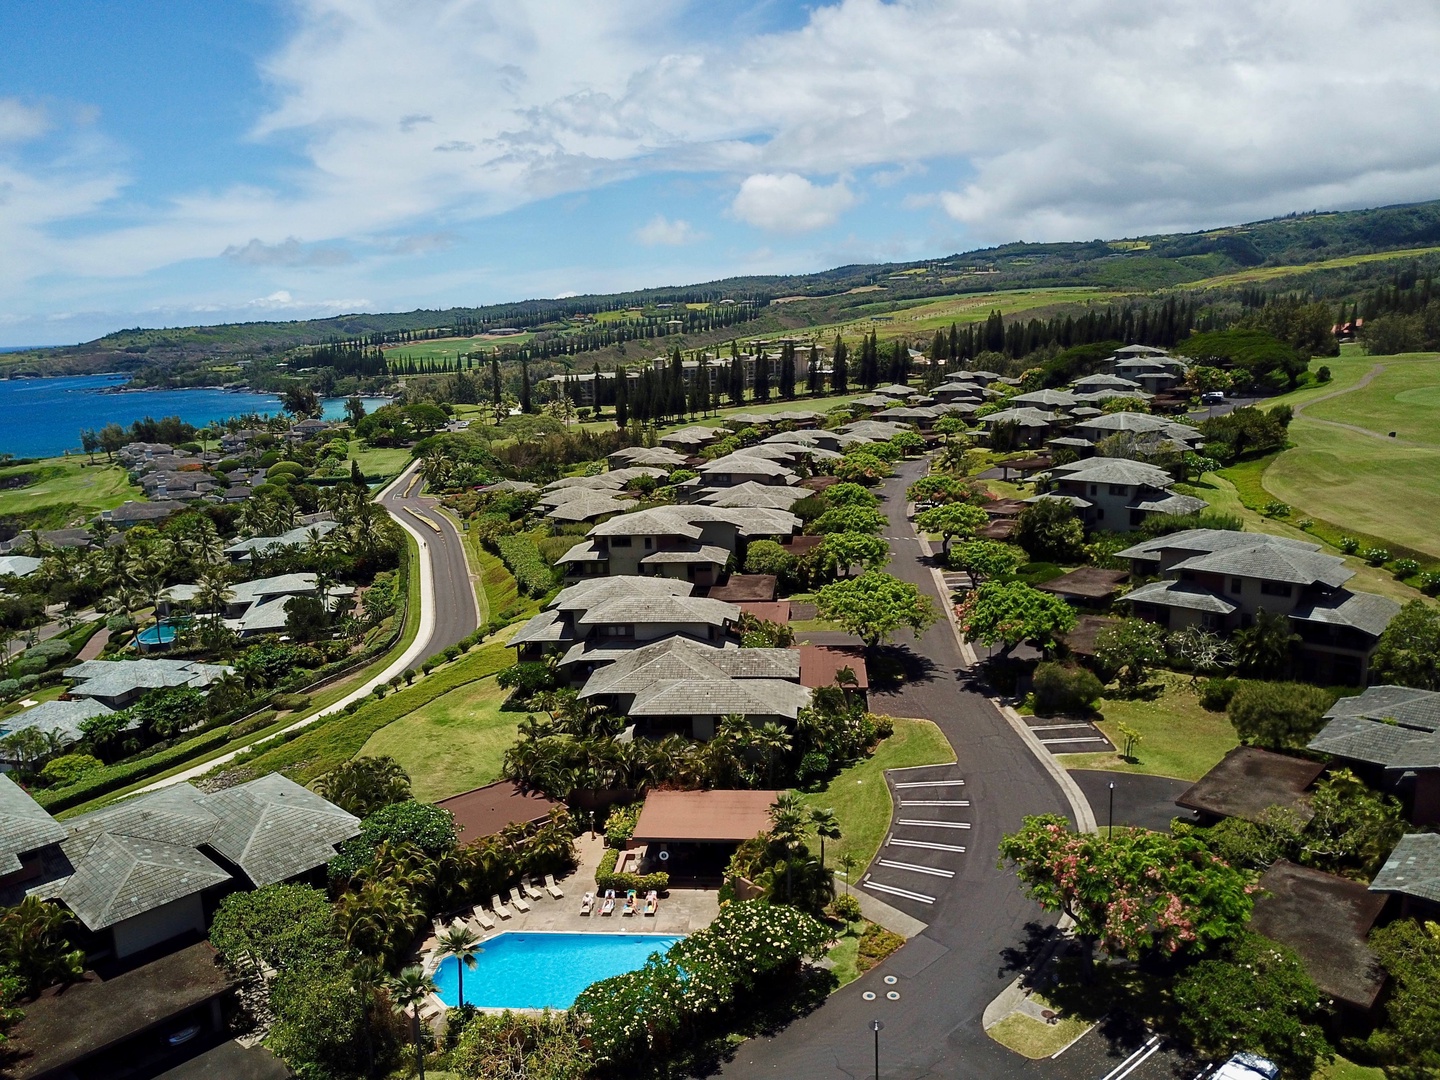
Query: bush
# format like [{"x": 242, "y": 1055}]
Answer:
[
  {"x": 845, "y": 907},
  {"x": 533, "y": 575},
  {"x": 1348, "y": 544},
  {"x": 290, "y": 702},
  {"x": 68, "y": 768},
  {"x": 1215, "y": 694},
  {"x": 1404, "y": 568},
  {"x": 813, "y": 768},
  {"x": 607, "y": 878},
  {"x": 620, "y": 825},
  {"x": 9, "y": 688},
  {"x": 261, "y": 720},
  {"x": 1278, "y": 716},
  {"x": 768, "y": 557},
  {"x": 1430, "y": 582},
  {"x": 1276, "y": 509},
  {"x": 1062, "y": 689},
  {"x": 1376, "y": 556},
  {"x": 49, "y": 651}
]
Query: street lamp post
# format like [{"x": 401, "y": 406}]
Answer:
[
  {"x": 1110, "y": 829},
  {"x": 877, "y": 1026}
]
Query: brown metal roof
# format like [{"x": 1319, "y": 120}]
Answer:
[
  {"x": 745, "y": 587},
  {"x": 777, "y": 611},
  {"x": 819, "y": 664},
  {"x": 704, "y": 816},
  {"x": 1326, "y": 920},
  {"x": 1086, "y": 583},
  {"x": 1248, "y": 781},
  {"x": 484, "y": 811}
]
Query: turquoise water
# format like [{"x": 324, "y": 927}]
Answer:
[
  {"x": 43, "y": 417},
  {"x": 164, "y": 634},
  {"x": 540, "y": 971}
]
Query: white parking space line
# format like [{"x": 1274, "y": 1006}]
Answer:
[
  {"x": 1060, "y": 727},
  {"x": 933, "y": 824},
  {"x": 932, "y": 871},
  {"x": 1091, "y": 738},
  {"x": 935, "y": 783},
  {"x": 926, "y": 844},
  {"x": 875, "y": 886},
  {"x": 934, "y": 802},
  {"x": 1134, "y": 1061}
]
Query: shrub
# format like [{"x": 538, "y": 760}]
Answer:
[
  {"x": 1278, "y": 716},
  {"x": 1276, "y": 509},
  {"x": 94, "y": 784},
  {"x": 1348, "y": 544},
  {"x": 1376, "y": 556},
  {"x": 607, "y": 878},
  {"x": 1062, "y": 689},
  {"x": 1430, "y": 582},
  {"x": 290, "y": 702},
  {"x": 68, "y": 768},
  {"x": 845, "y": 907},
  {"x": 1215, "y": 694},
  {"x": 813, "y": 767},
  {"x": 51, "y": 650},
  {"x": 1404, "y": 568},
  {"x": 620, "y": 825},
  {"x": 9, "y": 687},
  {"x": 1323, "y": 374},
  {"x": 263, "y": 719},
  {"x": 533, "y": 575},
  {"x": 768, "y": 557}
]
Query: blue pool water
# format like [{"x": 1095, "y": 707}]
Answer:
[
  {"x": 164, "y": 634},
  {"x": 43, "y": 417},
  {"x": 539, "y": 971}
]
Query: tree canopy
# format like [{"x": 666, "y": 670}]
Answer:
[
  {"x": 1009, "y": 612},
  {"x": 875, "y": 605}
]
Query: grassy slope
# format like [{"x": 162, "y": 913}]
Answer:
[
  {"x": 1269, "y": 273},
  {"x": 379, "y": 462},
  {"x": 1178, "y": 737},
  {"x": 860, "y": 797},
  {"x": 66, "y": 492},
  {"x": 452, "y": 744}
]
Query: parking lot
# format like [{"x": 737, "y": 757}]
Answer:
[{"x": 927, "y": 838}]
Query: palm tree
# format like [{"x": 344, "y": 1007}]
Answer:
[
  {"x": 407, "y": 990},
  {"x": 847, "y": 864},
  {"x": 460, "y": 942},
  {"x": 825, "y": 824},
  {"x": 773, "y": 742},
  {"x": 367, "y": 978},
  {"x": 212, "y": 593}
]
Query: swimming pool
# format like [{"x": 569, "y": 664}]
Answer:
[
  {"x": 164, "y": 634},
  {"x": 540, "y": 971}
]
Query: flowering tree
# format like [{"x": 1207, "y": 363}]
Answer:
[
  {"x": 1010, "y": 612},
  {"x": 1137, "y": 893}
]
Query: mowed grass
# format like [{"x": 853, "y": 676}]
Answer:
[
  {"x": 1344, "y": 1069},
  {"x": 1269, "y": 273},
  {"x": 1403, "y": 397},
  {"x": 860, "y": 797},
  {"x": 1177, "y": 737},
  {"x": 1036, "y": 1039},
  {"x": 454, "y": 743},
  {"x": 65, "y": 491},
  {"x": 379, "y": 462}
]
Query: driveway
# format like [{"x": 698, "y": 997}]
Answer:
[
  {"x": 979, "y": 922},
  {"x": 1144, "y": 801}
]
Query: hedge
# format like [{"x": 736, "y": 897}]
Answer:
[
  {"x": 103, "y": 781},
  {"x": 523, "y": 559},
  {"x": 607, "y": 878}
]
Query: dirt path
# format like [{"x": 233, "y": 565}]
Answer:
[{"x": 1368, "y": 378}]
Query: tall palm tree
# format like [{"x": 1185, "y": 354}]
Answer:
[
  {"x": 368, "y": 978},
  {"x": 460, "y": 942},
  {"x": 212, "y": 593},
  {"x": 773, "y": 742},
  {"x": 847, "y": 864},
  {"x": 407, "y": 990},
  {"x": 825, "y": 824}
]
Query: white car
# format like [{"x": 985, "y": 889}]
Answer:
[
  {"x": 1247, "y": 1067},
  {"x": 1212, "y": 397}
]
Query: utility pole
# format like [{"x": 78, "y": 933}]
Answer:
[
  {"x": 877, "y": 1026},
  {"x": 1110, "y": 829}
]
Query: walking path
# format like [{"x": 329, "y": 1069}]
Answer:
[
  {"x": 1365, "y": 381},
  {"x": 978, "y": 920}
]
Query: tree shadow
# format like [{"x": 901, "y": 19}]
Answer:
[{"x": 891, "y": 666}]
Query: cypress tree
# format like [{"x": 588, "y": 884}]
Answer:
[
  {"x": 622, "y": 398},
  {"x": 495, "y": 381},
  {"x": 737, "y": 379},
  {"x": 762, "y": 377},
  {"x": 675, "y": 404},
  {"x": 839, "y": 368},
  {"x": 787, "y": 372},
  {"x": 525, "y": 403},
  {"x": 812, "y": 368}
]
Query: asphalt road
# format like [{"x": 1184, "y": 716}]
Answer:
[
  {"x": 456, "y": 613},
  {"x": 979, "y": 922}
]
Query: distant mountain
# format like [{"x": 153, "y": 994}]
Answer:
[{"x": 1137, "y": 263}]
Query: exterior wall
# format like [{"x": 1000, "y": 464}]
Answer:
[
  {"x": 1425, "y": 808},
  {"x": 1111, "y": 504},
  {"x": 1249, "y": 593},
  {"x": 161, "y": 924}
]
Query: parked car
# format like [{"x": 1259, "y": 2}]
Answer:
[
  {"x": 1213, "y": 397},
  {"x": 1247, "y": 1067}
]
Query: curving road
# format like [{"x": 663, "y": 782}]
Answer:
[{"x": 948, "y": 974}]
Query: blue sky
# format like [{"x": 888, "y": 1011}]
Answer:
[{"x": 185, "y": 162}]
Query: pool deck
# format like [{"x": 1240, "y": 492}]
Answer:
[{"x": 681, "y": 912}]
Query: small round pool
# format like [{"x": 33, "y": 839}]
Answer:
[
  {"x": 545, "y": 970},
  {"x": 164, "y": 634}
]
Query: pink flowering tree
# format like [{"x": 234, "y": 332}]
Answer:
[{"x": 1138, "y": 893}]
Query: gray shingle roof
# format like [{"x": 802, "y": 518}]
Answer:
[
  {"x": 745, "y": 464},
  {"x": 1124, "y": 421},
  {"x": 124, "y": 876},
  {"x": 697, "y": 553},
  {"x": 1108, "y": 470},
  {"x": 1179, "y": 594},
  {"x": 1105, "y": 382},
  {"x": 662, "y": 456},
  {"x": 1403, "y": 704},
  {"x": 1045, "y": 397},
  {"x": 1204, "y": 541},
  {"x": 592, "y": 505},
  {"x": 1024, "y": 417},
  {"x": 1173, "y": 504},
  {"x": 587, "y": 594},
  {"x": 747, "y": 697},
  {"x": 19, "y": 565},
  {"x": 273, "y": 829},
  {"x": 1366, "y": 612},
  {"x": 116, "y": 678},
  {"x": 1268, "y": 561},
  {"x": 585, "y": 551},
  {"x": 1413, "y": 868},
  {"x": 548, "y": 626},
  {"x": 60, "y": 717},
  {"x": 24, "y": 826},
  {"x": 1393, "y": 726},
  {"x": 681, "y": 610},
  {"x": 750, "y": 496},
  {"x": 682, "y": 658},
  {"x": 301, "y": 536},
  {"x": 895, "y": 390}
]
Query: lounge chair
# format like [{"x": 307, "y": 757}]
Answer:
[
  {"x": 483, "y": 918},
  {"x": 438, "y": 925},
  {"x": 498, "y": 906},
  {"x": 531, "y": 892},
  {"x": 552, "y": 888},
  {"x": 516, "y": 900},
  {"x": 587, "y": 903},
  {"x": 607, "y": 906},
  {"x": 631, "y": 903},
  {"x": 652, "y": 902}
]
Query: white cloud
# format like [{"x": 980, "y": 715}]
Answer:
[
  {"x": 283, "y": 300},
  {"x": 289, "y": 252},
  {"x": 19, "y": 121},
  {"x": 660, "y": 231},
  {"x": 789, "y": 202}
]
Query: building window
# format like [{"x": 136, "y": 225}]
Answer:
[
  {"x": 1094, "y": 489},
  {"x": 620, "y": 541},
  {"x": 1236, "y": 585},
  {"x": 1276, "y": 588},
  {"x": 649, "y": 543},
  {"x": 1119, "y": 489}
]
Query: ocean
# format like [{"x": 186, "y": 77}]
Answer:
[{"x": 44, "y": 417}]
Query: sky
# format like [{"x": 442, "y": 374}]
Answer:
[{"x": 180, "y": 162}]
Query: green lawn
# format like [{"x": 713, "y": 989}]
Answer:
[
  {"x": 451, "y": 744},
  {"x": 64, "y": 491},
  {"x": 860, "y": 797},
  {"x": 379, "y": 462},
  {"x": 1178, "y": 737},
  {"x": 1269, "y": 273},
  {"x": 1036, "y": 1039},
  {"x": 1344, "y": 1069}
]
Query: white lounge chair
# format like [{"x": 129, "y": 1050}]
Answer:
[
  {"x": 607, "y": 906},
  {"x": 652, "y": 902},
  {"x": 483, "y": 918},
  {"x": 529, "y": 889},
  {"x": 552, "y": 888},
  {"x": 516, "y": 900},
  {"x": 587, "y": 903},
  {"x": 498, "y": 906},
  {"x": 438, "y": 925},
  {"x": 632, "y": 903}
]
